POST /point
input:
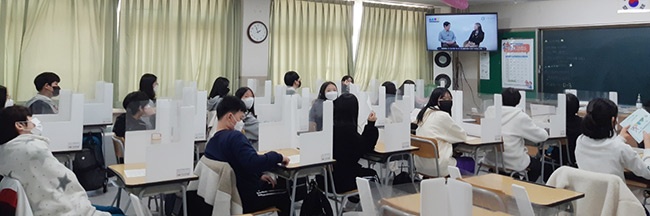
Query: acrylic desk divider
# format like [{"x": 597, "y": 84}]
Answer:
[
  {"x": 306, "y": 101},
  {"x": 397, "y": 130},
  {"x": 489, "y": 129},
  {"x": 380, "y": 109},
  {"x": 65, "y": 129},
  {"x": 160, "y": 166},
  {"x": 100, "y": 110},
  {"x": 282, "y": 133},
  {"x": 190, "y": 96},
  {"x": 316, "y": 147},
  {"x": 259, "y": 97},
  {"x": 419, "y": 88}
]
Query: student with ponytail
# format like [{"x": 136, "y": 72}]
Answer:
[
  {"x": 600, "y": 150},
  {"x": 434, "y": 121}
]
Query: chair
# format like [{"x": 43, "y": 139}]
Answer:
[
  {"x": 454, "y": 172},
  {"x": 137, "y": 206},
  {"x": 13, "y": 195},
  {"x": 434, "y": 197},
  {"x": 502, "y": 168},
  {"x": 339, "y": 198},
  {"x": 428, "y": 149},
  {"x": 523, "y": 203},
  {"x": 367, "y": 202},
  {"x": 118, "y": 144}
]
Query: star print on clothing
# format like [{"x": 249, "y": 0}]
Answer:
[{"x": 63, "y": 182}]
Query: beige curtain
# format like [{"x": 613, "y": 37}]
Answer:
[
  {"x": 392, "y": 45},
  {"x": 313, "y": 38},
  {"x": 12, "y": 17},
  {"x": 193, "y": 40},
  {"x": 67, "y": 37}
]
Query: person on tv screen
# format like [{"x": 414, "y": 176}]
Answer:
[
  {"x": 476, "y": 37},
  {"x": 447, "y": 37}
]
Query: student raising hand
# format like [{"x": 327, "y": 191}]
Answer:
[{"x": 372, "y": 117}]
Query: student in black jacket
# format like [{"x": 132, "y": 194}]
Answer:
[
  {"x": 573, "y": 130},
  {"x": 231, "y": 146},
  {"x": 349, "y": 145}
]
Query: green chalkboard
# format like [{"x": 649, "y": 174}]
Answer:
[
  {"x": 597, "y": 59},
  {"x": 493, "y": 85}
]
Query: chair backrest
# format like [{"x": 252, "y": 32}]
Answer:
[
  {"x": 434, "y": 197},
  {"x": 428, "y": 147},
  {"x": 118, "y": 145},
  {"x": 14, "y": 196},
  {"x": 488, "y": 200},
  {"x": 454, "y": 172},
  {"x": 367, "y": 202},
  {"x": 523, "y": 203},
  {"x": 137, "y": 206},
  {"x": 460, "y": 197}
]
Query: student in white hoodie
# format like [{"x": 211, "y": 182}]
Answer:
[
  {"x": 600, "y": 150},
  {"x": 434, "y": 121},
  {"x": 516, "y": 127},
  {"x": 51, "y": 188}
]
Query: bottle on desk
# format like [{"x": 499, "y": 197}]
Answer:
[{"x": 639, "y": 105}]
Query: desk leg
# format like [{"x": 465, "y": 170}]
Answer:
[
  {"x": 293, "y": 193},
  {"x": 184, "y": 191},
  {"x": 70, "y": 160},
  {"x": 386, "y": 169},
  {"x": 475, "y": 153}
]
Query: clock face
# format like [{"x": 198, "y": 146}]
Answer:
[{"x": 257, "y": 32}]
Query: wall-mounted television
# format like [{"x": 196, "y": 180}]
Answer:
[{"x": 462, "y": 32}]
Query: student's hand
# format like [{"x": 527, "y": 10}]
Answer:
[
  {"x": 626, "y": 136},
  {"x": 372, "y": 117},
  {"x": 268, "y": 179},
  {"x": 285, "y": 160},
  {"x": 646, "y": 139}
]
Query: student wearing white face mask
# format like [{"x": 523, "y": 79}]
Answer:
[
  {"x": 328, "y": 91},
  {"x": 50, "y": 187},
  {"x": 5, "y": 99},
  {"x": 251, "y": 125}
]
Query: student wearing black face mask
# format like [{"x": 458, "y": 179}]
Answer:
[
  {"x": 434, "y": 121},
  {"x": 47, "y": 85}
]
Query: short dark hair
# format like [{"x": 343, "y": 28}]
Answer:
[
  {"x": 240, "y": 94},
  {"x": 230, "y": 104},
  {"x": 290, "y": 77},
  {"x": 445, "y": 24},
  {"x": 572, "y": 104},
  {"x": 510, "y": 96},
  {"x": 321, "y": 91},
  {"x": 3, "y": 96},
  {"x": 219, "y": 87},
  {"x": 45, "y": 78},
  {"x": 346, "y": 110},
  {"x": 401, "y": 88},
  {"x": 146, "y": 85},
  {"x": 134, "y": 101},
  {"x": 8, "y": 118},
  {"x": 597, "y": 124},
  {"x": 347, "y": 77},
  {"x": 390, "y": 88}
]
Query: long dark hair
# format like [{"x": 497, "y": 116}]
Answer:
[
  {"x": 480, "y": 28},
  {"x": 597, "y": 124},
  {"x": 346, "y": 110},
  {"x": 321, "y": 91},
  {"x": 433, "y": 101},
  {"x": 390, "y": 88},
  {"x": 8, "y": 118},
  {"x": 219, "y": 87},
  {"x": 240, "y": 94},
  {"x": 401, "y": 88},
  {"x": 146, "y": 85},
  {"x": 3, "y": 96}
]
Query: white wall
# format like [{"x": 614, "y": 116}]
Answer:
[
  {"x": 255, "y": 57},
  {"x": 470, "y": 62},
  {"x": 560, "y": 13}
]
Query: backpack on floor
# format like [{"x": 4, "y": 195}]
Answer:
[
  {"x": 88, "y": 164},
  {"x": 316, "y": 203}
]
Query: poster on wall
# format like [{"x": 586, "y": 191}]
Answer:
[
  {"x": 484, "y": 65},
  {"x": 518, "y": 63}
]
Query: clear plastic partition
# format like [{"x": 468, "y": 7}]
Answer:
[
  {"x": 139, "y": 116},
  {"x": 541, "y": 107},
  {"x": 585, "y": 96},
  {"x": 474, "y": 108},
  {"x": 314, "y": 116}
]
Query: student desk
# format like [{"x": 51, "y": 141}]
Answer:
[
  {"x": 140, "y": 186},
  {"x": 293, "y": 171},
  {"x": 410, "y": 204},
  {"x": 380, "y": 155},
  {"x": 473, "y": 144},
  {"x": 538, "y": 194}
]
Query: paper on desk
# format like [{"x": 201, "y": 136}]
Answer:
[
  {"x": 294, "y": 159},
  {"x": 638, "y": 121},
  {"x": 133, "y": 173}
]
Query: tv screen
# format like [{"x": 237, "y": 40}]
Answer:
[{"x": 462, "y": 32}]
